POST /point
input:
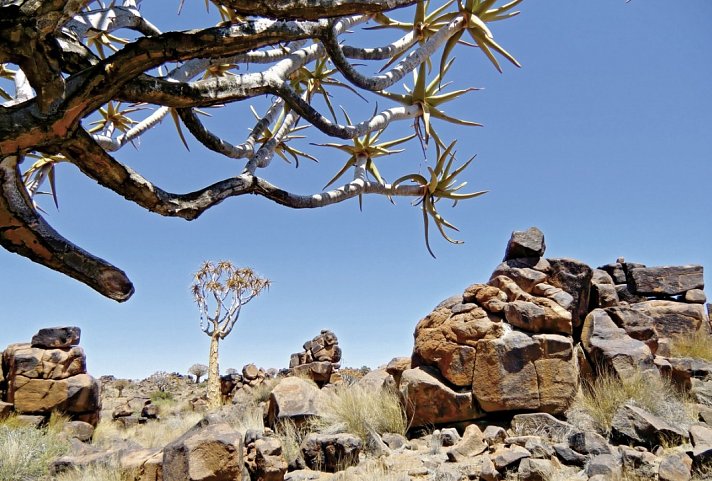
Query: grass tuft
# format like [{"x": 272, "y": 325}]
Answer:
[
  {"x": 358, "y": 410},
  {"x": 26, "y": 451},
  {"x": 598, "y": 401},
  {"x": 697, "y": 346},
  {"x": 96, "y": 472},
  {"x": 149, "y": 435}
]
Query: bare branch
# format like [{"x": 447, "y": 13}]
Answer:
[{"x": 312, "y": 9}]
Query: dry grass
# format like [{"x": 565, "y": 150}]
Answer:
[
  {"x": 697, "y": 346},
  {"x": 370, "y": 471},
  {"x": 26, "y": 451},
  {"x": 155, "y": 434},
  {"x": 595, "y": 407},
  {"x": 358, "y": 410},
  {"x": 291, "y": 436},
  {"x": 96, "y": 472}
]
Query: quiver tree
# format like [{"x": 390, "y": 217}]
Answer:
[
  {"x": 82, "y": 93},
  {"x": 198, "y": 370},
  {"x": 220, "y": 290}
]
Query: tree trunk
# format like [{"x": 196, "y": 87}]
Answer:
[{"x": 214, "y": 395}]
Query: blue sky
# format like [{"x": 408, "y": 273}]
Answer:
[{"x": 602, "y": 139}]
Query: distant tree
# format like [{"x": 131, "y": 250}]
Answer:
[
  {"x": 198, "y": 370},
  {"x": 120, "y": 385},
  {"x": 220, "y": 290},
  {"x": 160, "y": 379},
  {"x": 231, "y": 371},
  {"x": 82, "y": 93}
]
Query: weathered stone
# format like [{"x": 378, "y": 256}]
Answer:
[
  {"x": 294, "y": 398},
  {"x": 394, "y": 440},
  {"x": 331, "y": 452},
  {"x": 636, "y": 324},
  {"x": 701, "y": 435},
  {"x": 38, "y": 363},
  {"x": 265, "y": 460},
  {"x": 556, "y": 294},
  {"x": 542, "y": 424},
  {"x": 212, "y": 452},
  {"x": 397, "y": 365},
  {"x": 673, "y": 318},
  {"x": 143, "y": 464},
  {"x": 77, "y": 394},
  {"x": 611, "y": 346},
  {"x": 508, "y": 457},
  {"x": 604, "y": 295},
  {"x": 57, "y": 337},
  {"x": 626, "y": 295},
  {"x": 471, "y": 444},
  {"x": 376, "y": 380},
  {"x": 150, "y": 411},
  {"x": 695, "y": 296},
  {"x": 5, "y": 409},
  {"x": 702, "y": 392},
  {"x": 605, "y": 465},
  {"x": 568, "y": 455},
  {"x": 667, "y": 281},
  {"x": 639, "y": 462},
  {"x": 494, "y": 435},
  {"x": 684, "y": 369},
  {"x": 429, "y": 401},
  {"x": 675, "y": 467},
  {"x": 250, "y": 371},
  {"x": 616, "y": 272},
  {"x": 538, "y": 448},
  {"x": 539, "y": 315},
  {"x": 599, "y": 276},
  {"x": 489, "y": 297},
  {"x": 525, "y": 277},
  {"x": 635, "y": 424},
  {"x": 557, "y": 374},
  {"x": 574, "y": 277},
  {"x": 317, "y": 371},
  {"x": 505, "y": 377},
  {"x": 528, "y": 243},
  {"x": 79, "y": 430},
  {"x": 449, "y": 437},
  {"x": 588, "y": 442},
  {"x": 537, "y": 469}
]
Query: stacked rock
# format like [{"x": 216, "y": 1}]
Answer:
[
  {"x": 319, "y": 359},
  {"x": 501, "y": 346},
  {"x": 251, "y": 376},
  {"x": 50, "y": 374}
]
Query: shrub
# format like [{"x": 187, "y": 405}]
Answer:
[
  {"x": 697, "y": 345},
  {"x": 358, "y": 410},
  {"x": 159, "y": 396},
  {"x": 26, "y": 451},
  {"x": 599, "y": 400},
  {"x": 96, "y": 472},
  {"x": 291, "y": 436},
  {"x": 150, "y": 435}
]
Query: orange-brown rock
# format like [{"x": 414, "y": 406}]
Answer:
[
  {"x": 77, "y": 394},
  {"x": 31, "y": 362}
]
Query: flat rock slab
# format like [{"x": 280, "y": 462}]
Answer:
[
  {"x": 57, "y": 337},
  {"x": 640, "y": 426},
  {"x": 668, "y": 280}
]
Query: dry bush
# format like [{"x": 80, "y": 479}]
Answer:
[
  {"x": 155, "y": 434},
  {"x": 598, "y": 401},
  {"x": 291, "y": 436},
  {"x": 26, "y": 451},
  {"x": 96, "y": 472},
  {"x": 697, "y": 345},
  {"x": 243, "y": 417},
  {"x": 358, "y": 410},
  {"x": 370, "y": 471}
]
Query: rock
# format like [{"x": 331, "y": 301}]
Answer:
[
  {"x": 528, "y": 243},
  {"x": 429, "y": 401},
  {"x": 525, "y": 277},
  {"x": 568, "y": 455},
  {"x": 538, "y": 448},
  {"x": 74, "y": 395},
  {"x": 604, "y": 295},
  {"x": 377, "y": 379},
  {"x": 626, "y": 295},
  {"x": 675, "y": 467},
  {"x": 701, "y": 435},
  {"x": 574, "y": 277},
  {"x": 57, "y": 337},
  {"x": 250, "y": 372},
  {"x": 556, "y": 294},
  {"x": 542, "y": 424},
  {"x": 695, "y": 296},
  {"x": 605, "y": 465},
  {"x": 494, "y": 435},
  {"x": 538, "y": 316},
  {"x": 684, "y": 370},
  {"x": 674, "y": 318},
  {"x": 317, "y": 371},
  {"x": 38, "y": 363},
  {"x": 587, "y": 442},
  {"x": 394, "y": 441},
  {"x": 557, "y": 373},
  {"x": 701, "y": 391},
  {"x": 293, "y": 398},
  {"x": 78, "y": 430},
  {"x": 635, "y": 424},
  {"x": 143, "y": 464},
  {"x": 150, "y": 411},
  {"x": 331, "y": 452},
  {"x": 265, "y": 460},
  {"x": 616, "y": 272},
  {"x": 449, "y": 437},
  {"x": 666, "y": 281},
  {"x": 600, "y": 276},
  {"x": 508, "y": 457},
  {"x": 488, "y": 471},
  {"x": 537, "y": 469},
  {"x": 396, "y": 366},
  {"x": 5, "y": 409},
  {"x": 212, "y": 452},
  {"x": 471, "y": 444},
  {"x": 636, "y": 324},
  {"x": 611, "y": 346},
  {"x": 639, "y": 462}
]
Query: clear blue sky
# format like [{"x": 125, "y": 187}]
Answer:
[{"x": 603, "y": 140}]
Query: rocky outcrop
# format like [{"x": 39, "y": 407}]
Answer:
[
  {"x": 50, "y": 374},
  {"x": 319, "y": 359},
  {"x": 293, "y": 398},
  {"x": 233, "y": 383}
]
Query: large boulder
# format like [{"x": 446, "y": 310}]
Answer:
[
  {"x": 528, "y": 243},
  {"x": 212, "y": 452},
  {"x": 673, "y": 318},
  {"x": 75, "y": 395},
  {"x": 636, "y": 324},
  {"x": 611, "y": 347},
  {"x": 520, "y": 371},
  {"x": 574, "y": 277},
  {"x": 430, "y": 401},
  {"x": 37, "y": 363},
  {"x": 667, "y": 281},
  {"x": 294, "y": 398},
  {"x": 632, "y": 423},
  {"x": 57, "y": 337},
  {"x": 331, "y": 452}
]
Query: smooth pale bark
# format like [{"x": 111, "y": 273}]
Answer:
[{"x": 214, "y": 397}]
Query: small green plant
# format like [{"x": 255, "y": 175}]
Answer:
[
  {"x": 26, "y": 451},
  {"x": 358, "y": 410},
  {"x": 599, "y": 401},
  {"x": 159, "y": 396},
  {"x": 697, "y": 345}
]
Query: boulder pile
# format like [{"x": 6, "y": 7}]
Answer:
[
  {"x": 50, "y": 374},
  {"x": 319, "y": 359},
  {"x": 250, "y": 377}
]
